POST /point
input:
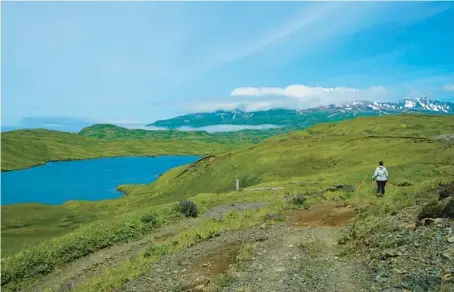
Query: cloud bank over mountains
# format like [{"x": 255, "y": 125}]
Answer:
[
  {"x": 295, "y": 96},
  {"x": 302, "y": 96}
]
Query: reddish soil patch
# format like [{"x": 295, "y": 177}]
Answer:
[
  {"x": 320, "y": 215},
  {"x": 217, "y": 262},
  {"x": 213, "y": 263}
]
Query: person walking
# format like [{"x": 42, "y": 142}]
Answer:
[{"x": 381, "y": 177}]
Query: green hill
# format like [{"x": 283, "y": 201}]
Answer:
[
  {"x": 345, "y": 152},
  {"x": 27, "y": 148},
  {"x": 112, "y": 132}
]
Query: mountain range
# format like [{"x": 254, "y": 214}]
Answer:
[{"x": 306, "y": 117}]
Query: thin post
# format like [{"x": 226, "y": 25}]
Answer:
[{"x": 237, "y": 184}]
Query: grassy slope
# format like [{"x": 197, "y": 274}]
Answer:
[
  {"x": 303, "y": 161},
  {"x": 346, "y": 152},
  {"x": 327, "y": 153},
  {"x": 27, "y": 148},
  {"x": 29, "y": 224}
]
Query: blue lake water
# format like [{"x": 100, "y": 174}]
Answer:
[{"x": 93, "y": 180}]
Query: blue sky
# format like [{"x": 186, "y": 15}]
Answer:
[{"x": 73, "y": 63}]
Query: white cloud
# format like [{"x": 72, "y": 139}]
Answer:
[
  {"x": 254, "y": 91},
  {"x": 247, "y": 105},
  {"x": 303, "y": 96},
  {"x": 303, "y": 91},
  {"x": 296, "y": 96},
  {"x": 449, "y": 87}
]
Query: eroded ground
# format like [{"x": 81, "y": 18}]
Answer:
[
  {"x": 295, "y": 250},
  {"x": 298, "y": 254}
]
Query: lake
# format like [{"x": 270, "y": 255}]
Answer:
[{"x": 93, "y": 179}]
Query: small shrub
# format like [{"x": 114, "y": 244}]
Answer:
[
  {"x": 298, "y": 199},
  {"x": 197, "y": 237},
  {"x": 157, "y": 250},
  {"x": 438, "y": 209},
  {"x": 404, "y": 184},
  {"x": 149, "y": 219},
  {"x": 345, "y": 188},
  {"x": 212, "y": 234},
  {"x": 344, "y": 238},
  {"x": 245, "y": 252},
  {"x": 188, "y": 208},
  {"x": 446, "y": 190},
  {"x": 217, "y": 283},
  {"x": 273, "y": 216}
]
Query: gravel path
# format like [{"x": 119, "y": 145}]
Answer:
[
  {"x": 79, "y": 271},
  {"x": 282, "y": 258},
  {"x": 300, "y": 259},
  {"x": 193, "y": 265}
]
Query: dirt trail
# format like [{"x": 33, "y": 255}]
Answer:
[
  {"x": 320, "y": 215},
  {"x": 284, "y": 257},
  {"x": 190, "y": 267},
  {"x": 302, "y": 260},
  {"x": 80, "y": 270},
  {"x": 295, "y": 255}
]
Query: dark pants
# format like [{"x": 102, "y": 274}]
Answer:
[{"x": 381, "y": 187}]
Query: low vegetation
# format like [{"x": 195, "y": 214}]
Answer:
[
  {"x": 188, "y": 208},
  {"x": 149, "y": 219},
  {"x": 111, "y": 133},
  {"x": 408, "y": 246},
  {"x": 44, "y": 257},
  {"x": 325, "y": 162},
  {"x": 299, "y": 199},
  {"x": 342, "y": 153},
  {"x": 207, "y": 229},
  {"x": 27, "y": 148}
]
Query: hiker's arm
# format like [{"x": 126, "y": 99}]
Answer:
[{"x": 375, "y": 174}]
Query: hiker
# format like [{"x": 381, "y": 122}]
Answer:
[{"x": 381, "y": 177}]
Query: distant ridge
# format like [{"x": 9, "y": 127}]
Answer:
[{"x": 306, "y": 117}]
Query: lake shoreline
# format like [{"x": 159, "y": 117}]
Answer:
[
  {"x": 87, "y": 181},
  {"x": 95, "y": 158}
]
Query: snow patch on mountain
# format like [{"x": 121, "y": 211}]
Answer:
[{"x": 415, "y": 104}]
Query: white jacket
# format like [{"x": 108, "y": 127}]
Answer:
[{"x": 381, "y": 173}]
